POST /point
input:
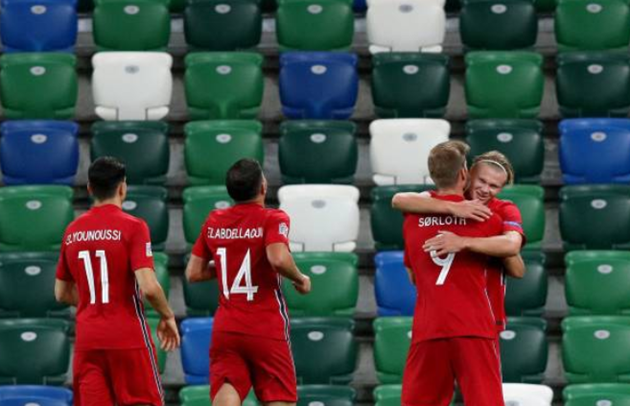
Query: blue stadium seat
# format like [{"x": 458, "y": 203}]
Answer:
[
  {"x": 322, "y": 85},
  {"x": 395, "y": 295},
  {"x": 38, "y": 25},
  {"x": 359, "y": 5},
  {"x": 21, "y": 395},
  {"x": 39, "y": 152},
  {"x": 583, "y": 143},
  {"x": 196, "y": 333}
]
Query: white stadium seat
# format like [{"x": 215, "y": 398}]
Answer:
[
  {"x": 399, "y": 149},
  {"x": 323, "y": 217},
  {"x": 132, "y": 85},
  {"x": 522, "y": 394},
  {"x": 406, "y": 25}
]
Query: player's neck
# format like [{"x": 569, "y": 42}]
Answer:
[
  {"x": 260, "y": 200},
  {"x": 115, "y": 202},
  {"x": 451, "y": 191}
]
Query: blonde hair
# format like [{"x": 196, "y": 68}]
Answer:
[
  {"x": 498, "y": 160},
  {"x": 445, "y": 161}
]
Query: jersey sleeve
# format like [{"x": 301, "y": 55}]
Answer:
[
  {"x": 277, "y": 228},
  {"x": 512, "y": 220},
  {"x": 201, "y": 249},
  {"x": 140, "y": 251},
  {"x": 63, "y": 271}
]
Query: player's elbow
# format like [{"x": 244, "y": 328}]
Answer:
[{"x": 398, "y": 201}]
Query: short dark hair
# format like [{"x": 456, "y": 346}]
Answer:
[
  {"x": 104, "y": 176},
  {"x": 243, "y": 180}
]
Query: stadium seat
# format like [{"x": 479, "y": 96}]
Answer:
[
  {"x": 530, "y": 201},
  {"x": 389, "y": 395},
  {"x": 395, "y": 295},
  {"x": 199, "y": 201},
  {"x": 199, "y": 395},
  {"x": 34, "y": 351},
  {"x": 520, "y": 140},
  {"x": 38, "y": 86},
  {"x": 214, "y": 25},
  {"x": 603, "y": 76},
  {"x": 523, "y": 394},
  {"x": 132, "y": 85},
  {"x": 22, "y": 395},
  {"x": 399, "y": 149},
  {"x": 410, "y": 84},
  {"x": 606, "y": 336},
  {"x": 489, "y": 74},
  {"x": 528, "y": 296},
  {"x": 337, "y": 279},
  {"x": 212, "y": 147},
  {"x": 405, "y": 25},
  {"x": 27, "y": 285},
  {"x": 161, "y": 354},
  {"x": 582, "y": 144},
  {"x": 149, "y": 203},
  {"x": 201, "y": 298},
  {"x": 524, "y": 350},
  {"x": 515, "y": 20},
  {"x": 385, "y": 221},
  {"x": 330, "y": 25},
  {"x": 49, "y": 207},
  {"x": 597, "y": 282},
  {"x": 38, "y": 25},
  {"x": 332, "y": 210},
  {"x": 318, "y": 85},
  {"x": 115, "y": 20},
  {"x": 617, "y": 394},
  {"x": 160, "y": 262},
  {"x": 593, "y": 25},
  {"x": 317, "y": 151},
  {"x": 325, "y": 395},
  {"x": 223, "y": 85},
  {"x": 143, "y": 146},
  {"x": 196, "y": 333},
  {"x": 391, "y": 345},
  {"x": 324, "y": 350},
  {"x": 595, "y": 216},
  {"x": 39, "y": 152}
]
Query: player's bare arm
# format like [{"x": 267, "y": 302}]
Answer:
[
  {"x": 501, "y": 246},
  {"x": 412, "y": 277},
  {"x": 514, "y": 266},
  {"x": 66, "y": 292},
  {"x": 282, "y": 261},
  {"x": 199, "y": 270},
  {"x": 423, "y": 203},
  {"x": 167, "y": 328}
]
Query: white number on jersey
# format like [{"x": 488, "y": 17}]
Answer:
[
  {"x": 245, "y": 271},
  {"x": 444, "y": 263},
  {"x": 89, "y": 271}
]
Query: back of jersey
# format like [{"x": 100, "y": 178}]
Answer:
[
  {"x": 251, "y": 301},
  {"x": 100, "y": 252}
]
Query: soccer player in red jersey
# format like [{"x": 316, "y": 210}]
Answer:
[
  {"x": 250, "y": 248},
  {"x": 104, "y": 265},
  {"x": 454, "y": 329}
]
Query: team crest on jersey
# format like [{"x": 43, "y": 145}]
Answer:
[
  {"x": 149, "y": 250},
  {"x": 283, "y": 229}
]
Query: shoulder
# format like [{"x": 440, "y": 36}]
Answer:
[
  {"x": 507, "y": 210},
  {"x": 277, "y": 214},
  {"x": 132, "y": 222}
]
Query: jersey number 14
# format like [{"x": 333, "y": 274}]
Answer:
[{"x": 244, "y": 272}]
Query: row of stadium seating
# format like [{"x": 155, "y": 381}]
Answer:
[{"x": 400, "y": 25}]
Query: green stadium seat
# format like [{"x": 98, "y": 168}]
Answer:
[
  {"x": 199, "y": 201},
  {"x": 324, "y": 350},
  {"x": 389, "y": 395},
  {"x": 386, "y": 222},
  {"x": 201, "y": 298},
  {"x": 593, "y": 25},
  {"x": 595, "y": 216},
  {"x": 27, "y": 285},
  {"x": 49, "y": 207},
  {"x": 34, "y": 351},
  {"x": 336, "y": 280},
  {"x": 330, "y": 25},
  {"x": 326, "y": 395},
  {"x": 406, "y": 84},
  {"x": 524, "y": 350},
  {"x": 595, "y": 349},
  {"x": 212, "y": 147},
  {"x": 528, "y": 296},
  {"x": 597, "y": 282},
  {"x": 391, "y": 345},
  {"x": 38, "y": 85},
  {"x": 521, "y": 141},
  {"x": 149, "y": 204},
  {"x": 530, "y": 200},
  {"x": 214, "y": 25},
  {"x": 223, "y": 85},
  {"x": 131, "y": 25},
  {"x": 617, "y": 394},
  {"x": 199, "y": 395},
  {"x": 506, "y": 84},
  {"x": 161, "y": 354},
  {"x": 317, "y": 151},
  {"x": 142, "y": 145},
  {"x": 160, "y": 261}
]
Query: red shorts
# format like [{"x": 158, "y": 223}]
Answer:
[
  {"x": 245, "y": 361},
  {"x": 123, "y": 377},
  {"x": 434, "y": 365}
]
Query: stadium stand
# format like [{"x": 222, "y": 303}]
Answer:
[
  {"x": 149, "y": 203},
  {"x": 588, "y": 394},
  {"x": 528, "y": 296},
  {"x": 196, "y": 341},
  {"x": 198, "y": 202},
  {"x": 529, "y": 199},
  {"x": 392, "y": 337},
  {"x": 43, "y": 395},
  {"x": 395, "y": 295},
  {"x": 524, "y": 350}
]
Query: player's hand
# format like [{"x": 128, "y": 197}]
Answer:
[
  {"x": 471, "y": 209},
  {"x": 304, "y": 286},
  {"x": 445, "y": 243},
  {"x": 168, "y": 334}
]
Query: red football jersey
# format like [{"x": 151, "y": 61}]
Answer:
[
  {"x": 512, "y": 221},
  {"x": 452, "y": 299},
  {"x": 100, "y": 252},
  {"x": 251, "y": 300}
]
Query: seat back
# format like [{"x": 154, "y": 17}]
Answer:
[
  {"x": 43, "y": 395},
  {"x": 199, "y": 201},
  {"x": 391, "y": 345},
  {"x": 149, "y": 204},
  {"x": 395, "y": 294},
  {"x": 326, "y": 395},
  {"x": 530, "y": 201},
  {"x": 524, "y": 351},
  {"x": 592, "y": 394},
  {"x": 528, "y": 296},
  {"x": 196, "y": 334}
]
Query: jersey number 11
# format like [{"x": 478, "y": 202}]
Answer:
[{"x": 89, "y": 271}]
